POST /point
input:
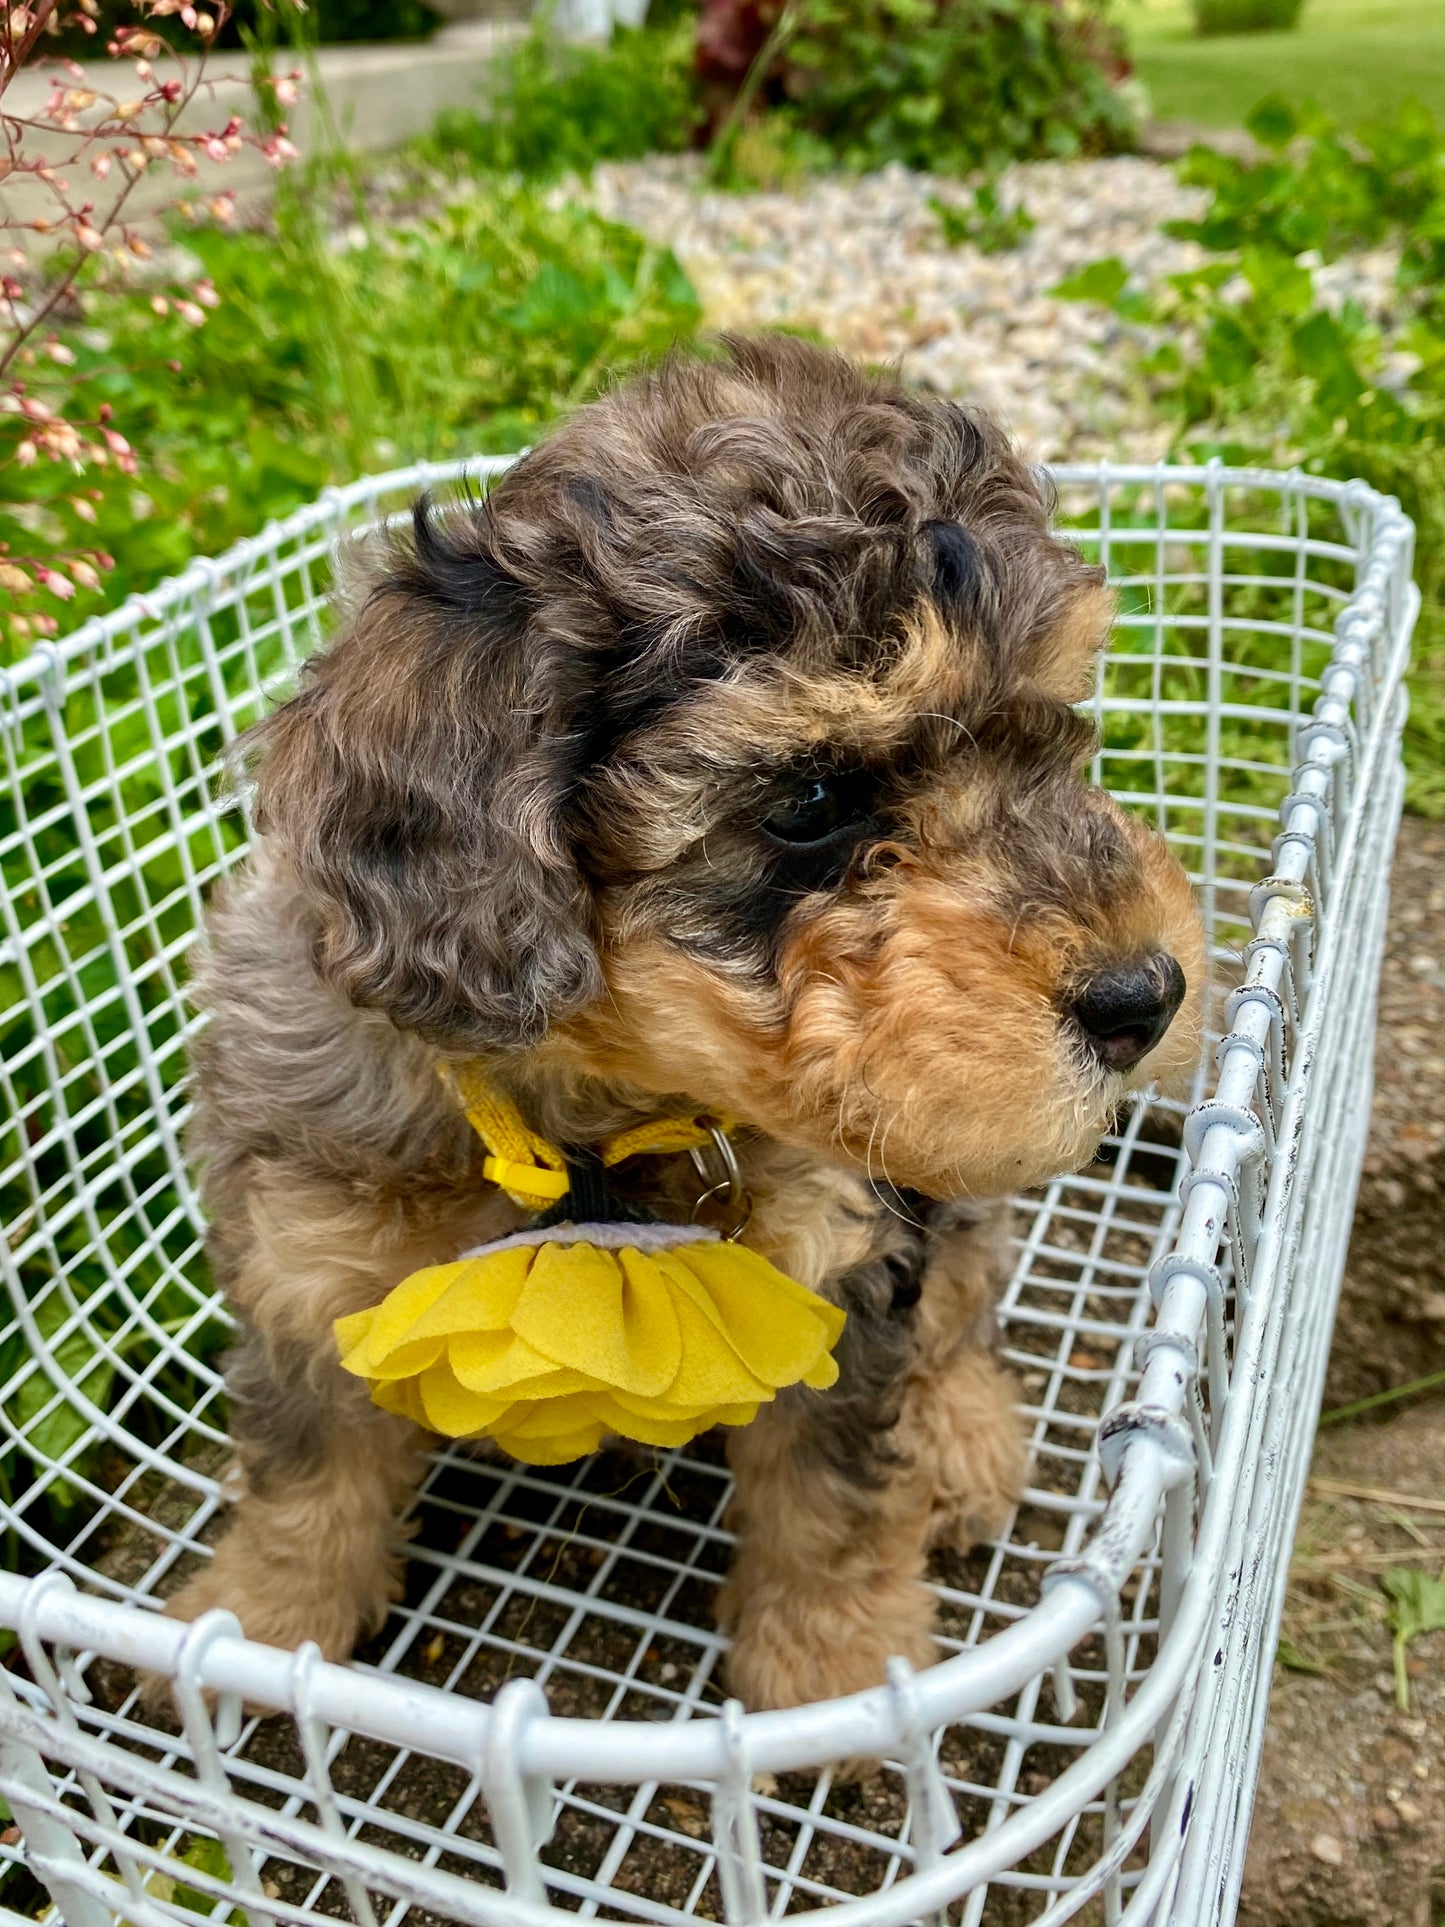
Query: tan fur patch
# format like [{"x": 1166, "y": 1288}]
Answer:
[{"x": 1066, "y": 660}]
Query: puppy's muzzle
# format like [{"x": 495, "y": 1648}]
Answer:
[{"x": 1125, "y": 1010}]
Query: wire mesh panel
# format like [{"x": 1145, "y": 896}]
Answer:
[{"x": 539, "y": 1727}]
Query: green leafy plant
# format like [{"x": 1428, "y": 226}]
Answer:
[
  {"x": 1258, "y": 366},
  {"x": 1316, "y": 188},
  {"x": 467, "y": 330},
  {"x": 1417, "y": 1607},
  {"x": 987, "y": 225},
  {"x": 1246, "y": 16},
  {"x": 555, "y": 106},
  {"x": 785, "y": 86},
  {"x": 954, "y": 87}
]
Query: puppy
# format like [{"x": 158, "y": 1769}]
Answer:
[{"x": 723, "y": 761}]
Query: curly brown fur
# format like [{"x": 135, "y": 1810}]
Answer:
[{"x": 724, "y": 758}]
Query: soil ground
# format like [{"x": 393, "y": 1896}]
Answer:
[{"x": 1349, "y": 1825}]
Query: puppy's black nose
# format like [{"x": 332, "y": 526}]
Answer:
[{"x": 1125, "y": 1010}]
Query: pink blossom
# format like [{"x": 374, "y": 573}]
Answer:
[
  {"x": 84, "y": 509},
  {"x": 205, "y": 293},
  {"x": 14, "y": 578},
  {"x": 35, "y": 408},
  {"x": 100, "y": 166},
  {"x": 287, "y": 92},
  {"x": 61, "y": 441},
  {"x": 84, "y": 574},
  {"x": 89, "y": 238},
  {"x": 58, "y": 585},
  {"x": 58, "y": 351},
  {"x": 116, "y": 442},
  {"x": 189, "y": 312},
  {"x": 158, "y": 304},
  {"x": 216, "y": 149}
]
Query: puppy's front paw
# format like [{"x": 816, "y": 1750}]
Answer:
[
  {"x": 797, "y": 1648},
  {"x": 286, "y": 1612}
]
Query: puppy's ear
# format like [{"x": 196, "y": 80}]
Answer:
[{"x": 410, "y": 786}]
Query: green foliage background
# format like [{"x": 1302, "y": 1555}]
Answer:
[
  {"x": 957, "y": 87},
  {"x": 1257, "y": 366}
]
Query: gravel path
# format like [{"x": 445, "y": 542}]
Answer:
[{"x": 863, "y": 262}]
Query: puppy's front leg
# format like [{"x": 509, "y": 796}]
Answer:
[
  {"x": 310, "y": 1552},
  {"x": 841, "y": 1493}
]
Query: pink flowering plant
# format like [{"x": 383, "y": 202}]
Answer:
[{"x": 73, "y": 157}]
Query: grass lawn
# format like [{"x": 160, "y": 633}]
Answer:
[{"x": 1355, "y": 58}]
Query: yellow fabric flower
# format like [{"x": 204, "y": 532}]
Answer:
[{"x": 548, "y": 1341}]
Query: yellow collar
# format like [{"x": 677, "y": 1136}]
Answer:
[{"x": 529, "y": 1168}]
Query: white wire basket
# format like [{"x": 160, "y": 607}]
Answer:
[{"x": 538, "y": 1731}]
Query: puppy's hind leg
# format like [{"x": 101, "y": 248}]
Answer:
[
  {"x": 827, "y": 1580},
  {"x": 840, "y": 1494},
  {"x": 310, "y": 1552}
]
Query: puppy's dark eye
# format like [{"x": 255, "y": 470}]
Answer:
[{"x": 812, "y": 813}]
